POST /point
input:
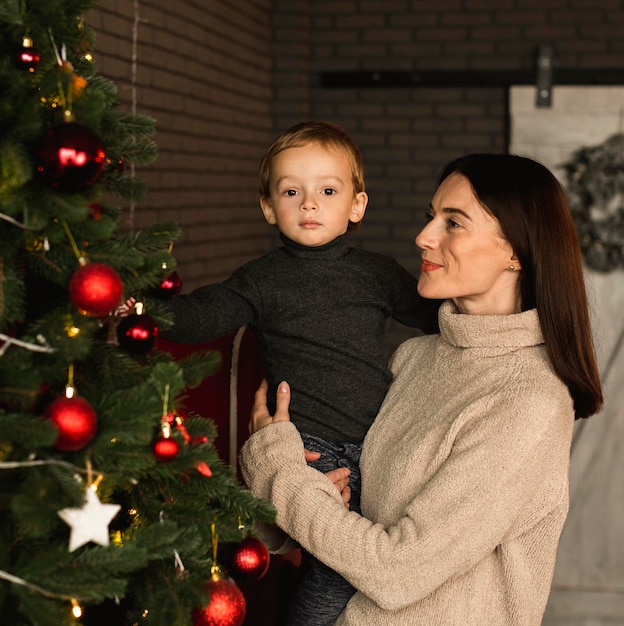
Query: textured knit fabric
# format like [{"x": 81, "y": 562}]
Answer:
[
  {"x": 464, "y": 482},
  {"x": 320, "y": 315}
]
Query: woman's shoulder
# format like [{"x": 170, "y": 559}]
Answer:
[{"x": 413, "y": 349}]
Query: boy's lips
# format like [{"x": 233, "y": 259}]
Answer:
[
  {"x": 309, "y": 224},
  {"x": 428, "y": 266}
]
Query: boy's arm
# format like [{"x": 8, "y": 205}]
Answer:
[{"x": 213, "y": 311}]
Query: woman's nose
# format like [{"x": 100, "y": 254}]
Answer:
[{"x": 426, "y": 238}]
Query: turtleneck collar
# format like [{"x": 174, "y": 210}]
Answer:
[
  {"x": 496, "y": 332},
  {"x": 333, "y": 250}
]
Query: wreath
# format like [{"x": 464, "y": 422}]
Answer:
[{"x": 595, "y": 188}]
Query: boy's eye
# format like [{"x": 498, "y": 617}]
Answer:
[
  {"x": 290, "y": 192},
  {"x": 329, "y": 191}
]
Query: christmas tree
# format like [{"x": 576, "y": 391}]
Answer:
[{"x": 114, "y": 505}]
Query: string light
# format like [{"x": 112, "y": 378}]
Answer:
[
  {"x": 70, "y": 390},
  {"x": 73, "y": 331},
  {"x": 76, "y": 608}
]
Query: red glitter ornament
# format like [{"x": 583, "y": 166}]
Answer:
[
  {"x": 137, "y": 333},
  {"x": 170, "y": 286},
  {"x": 227, "y": 605},
  {"x": 249, "y": 559},
  {"x": 76, "y": 422},
  {"x": 70, "y": 157},
  {"x": 165, "y": 449},
  {"x": 95, "y": 289}
]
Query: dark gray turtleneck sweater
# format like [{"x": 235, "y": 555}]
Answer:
[{"x": 319, "y": 314}]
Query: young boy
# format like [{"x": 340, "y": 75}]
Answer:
[{"x": 319, "y": 309}]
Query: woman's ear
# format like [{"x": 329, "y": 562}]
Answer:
[
  {"x": 515, "y": 262},
  {"x": 267, "y": 209}
]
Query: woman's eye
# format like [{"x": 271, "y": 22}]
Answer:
[
  {"x": 453, "y": 224},
  {"x": 428, "y": 217}
]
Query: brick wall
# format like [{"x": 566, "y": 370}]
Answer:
[
  {"x": 203, "y": 72},
  {"x": 222, "y": 78},
  {"x": 408, "y": 133}
]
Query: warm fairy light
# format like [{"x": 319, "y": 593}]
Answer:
[
  {"x": 73, "y": 331},
  {"x": 76, "y": 610},
  {"x": 53, "y": 102},
  {"x": 70, "y": 390},
  {"x": 138, "y": 307}
]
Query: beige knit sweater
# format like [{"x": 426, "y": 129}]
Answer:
[{"x": 464, "y": 482}]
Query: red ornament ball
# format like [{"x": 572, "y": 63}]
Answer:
[
  {"x": 170, "y": 286},
  {"x": 249, "y": 559},
  {"x": 227, "y": 605},
  {"x": 165, "y": 449},
  {"x": 95, "y": 289},
  {"x": 137, "y": 333},
  {"x": 75, "y": 420},
  {"x": 70, "y": 157}
]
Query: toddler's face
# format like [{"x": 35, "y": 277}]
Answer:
[{"x": 312, "y": 197}]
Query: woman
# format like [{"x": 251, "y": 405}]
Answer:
[{"x": 465, "y": 469}]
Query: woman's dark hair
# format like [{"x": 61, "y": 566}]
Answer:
[{"x": 534, "y": 216}]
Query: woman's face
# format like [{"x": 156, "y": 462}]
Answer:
[{"x": 464, "y": 254}]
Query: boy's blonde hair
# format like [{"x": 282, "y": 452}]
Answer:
[{"x": 323, "y": 133}]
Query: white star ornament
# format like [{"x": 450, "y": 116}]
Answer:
[{"x": 90, "y": 523}]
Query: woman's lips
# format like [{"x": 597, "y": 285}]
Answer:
[{"x": 428, "y": 266}]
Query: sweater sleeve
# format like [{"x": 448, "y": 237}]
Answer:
[
  {"x": 496, "y": 469},
  {"x": 214, "y": 310}
]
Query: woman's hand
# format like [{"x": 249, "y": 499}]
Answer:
[
  {"x": 260, "y": 416},
  {"x": 339, "y": 476}
]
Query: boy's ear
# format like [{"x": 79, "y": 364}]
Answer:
[
  {"x": 359, "y": 207},
  {"x": 267, "y": 209}
]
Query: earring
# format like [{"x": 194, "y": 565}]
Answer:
[{"x": 512, "y": 268}]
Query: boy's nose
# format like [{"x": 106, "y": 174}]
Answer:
[{"x": 308, "y": 203}]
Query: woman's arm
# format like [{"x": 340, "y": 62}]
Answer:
[
  {"x": 260, "y": 417},
  {"x": 459, "y": 517}
]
